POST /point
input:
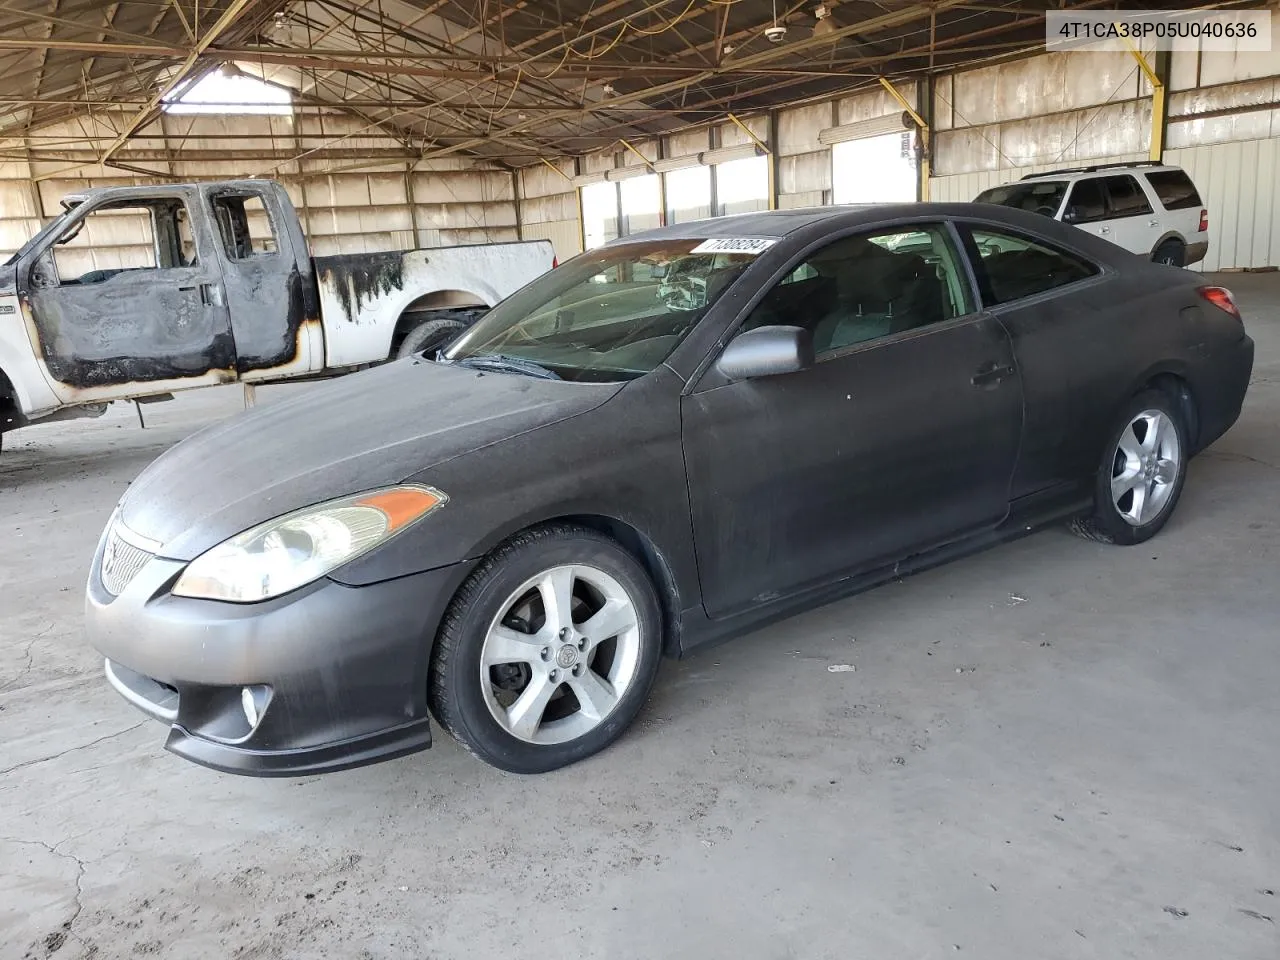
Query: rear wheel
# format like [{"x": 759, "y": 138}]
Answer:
[
  {"x": 548, "y": 651},
  {"x": 1141, "y": 475},
  {"x": 1171, "y": 252},
  {"x": 429, "y": 336}
]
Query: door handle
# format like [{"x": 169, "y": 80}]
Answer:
[
  {"x": 206, "y": 292},
  {"x": 1104, "y": 229},
  {"x": 1153, "y": 223},
  {"x": 990, "y": 375}
]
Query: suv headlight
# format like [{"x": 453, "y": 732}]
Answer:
[{"x": 291, "y": 551}]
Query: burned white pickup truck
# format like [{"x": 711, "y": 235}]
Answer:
[{"x": 137, "y": 292}]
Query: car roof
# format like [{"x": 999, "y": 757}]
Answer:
[
  {"x": 1098, "y": 170},
  {"x": 779, "y": 224}
]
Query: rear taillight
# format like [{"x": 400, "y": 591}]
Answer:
[
  {"x": 1204, "y": 220},
  {"x": 1221, "y": 298},
  {"x": 555, "y": 262}
]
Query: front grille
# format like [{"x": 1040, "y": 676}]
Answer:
[{"x": 121, "y": 562}]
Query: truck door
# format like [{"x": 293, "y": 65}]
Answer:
[
  {"x": 270, "y": 300},
  {"x": 125, "y": 299}
]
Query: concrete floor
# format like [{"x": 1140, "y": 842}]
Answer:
[{"x": 1054, "y": 749}]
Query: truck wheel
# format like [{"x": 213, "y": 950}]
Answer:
[
  {"x": 1171, "y": 252},
  {"x": 429, "y": 336}
]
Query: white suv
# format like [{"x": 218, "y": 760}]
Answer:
[{"x": 1150, "y": 209}]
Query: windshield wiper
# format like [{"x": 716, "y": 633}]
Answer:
[{"x": 501, "y": 361}]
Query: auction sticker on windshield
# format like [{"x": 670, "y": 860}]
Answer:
[{"x": 749, "y": 245}]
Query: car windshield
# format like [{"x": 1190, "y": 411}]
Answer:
[
  {"x": 1037, "y": 196},
  {"x": 607, "y": 315}
]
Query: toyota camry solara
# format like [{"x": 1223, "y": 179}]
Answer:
[{"x": 661, "y": 443}]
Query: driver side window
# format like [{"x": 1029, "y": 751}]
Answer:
[
  {"x": 119, "y": 237},
  {"x": 867, "y": 286}
]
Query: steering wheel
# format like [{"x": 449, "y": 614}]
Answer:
[{"x": 1046, "y": 211}]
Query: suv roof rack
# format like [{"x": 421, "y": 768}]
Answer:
[{"x": 1096, "y": 167}]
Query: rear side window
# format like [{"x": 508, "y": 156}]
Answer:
[
  {"x": 244, "y": 226},
  {"x": 1011, "y": 267},
  {"x": 1087, "y": 202},
  {"x": 1127, "y": 198},
  {"x": 1175, "y": 189}
]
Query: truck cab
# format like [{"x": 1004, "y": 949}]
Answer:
[{"x": 136, "y": 292}]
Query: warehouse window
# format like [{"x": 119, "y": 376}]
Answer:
[
  {"x": 742, "y": 186},
  {"x": 874, "y": 170},
  {"x": 229, "y": 91},
  {"x": 599, "y": 213},
  {"x": 641, "y": 204},
  {"x": 688, "y": 194}
]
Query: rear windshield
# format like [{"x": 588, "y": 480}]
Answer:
[
  {"x": 1037, "y": 196},
  {"x": 1174, "y": 188}
]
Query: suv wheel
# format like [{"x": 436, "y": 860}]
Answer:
[{"x": 1172, "y": 252}]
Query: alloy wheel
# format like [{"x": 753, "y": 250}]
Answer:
[
  {"x": 1145, "y": 467},
  {"x": 560, "y": 655}
]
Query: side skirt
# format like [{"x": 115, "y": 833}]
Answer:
[{"x": 1026, "y": 516}]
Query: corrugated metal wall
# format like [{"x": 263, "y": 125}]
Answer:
[
  {"x": 1238, "y": 183},
  {"x": 991, "y": 125},
  {"x": 998, "y": 123},
  {"x": 381, "y": 207},
  {"x": 549, "y": 206}
]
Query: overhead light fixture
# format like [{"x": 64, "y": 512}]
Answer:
[
  {"x": 824, "y": 26},
  {"x": 607, "y": 89},
  {"x": 776, "y": 33},
  {"x": 727, "y": 49}
]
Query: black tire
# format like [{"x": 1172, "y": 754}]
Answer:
[
  {"x": 1172, "y": 252},
  {"x": 458, "y": 701},
  {"x": 429, "y": 336},
  {"x": 1106, "y": 524}
]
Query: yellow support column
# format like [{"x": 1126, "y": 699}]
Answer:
[
  {"x": 1158, "y": 105},
  {"x": 924, "y": 134}
]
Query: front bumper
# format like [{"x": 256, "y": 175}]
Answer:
[{"x": 336, "y": 675}]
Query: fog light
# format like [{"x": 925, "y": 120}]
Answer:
[{"x": 250, "y": 704}]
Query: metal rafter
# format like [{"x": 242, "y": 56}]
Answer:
[{"x": 229, "y": 15}]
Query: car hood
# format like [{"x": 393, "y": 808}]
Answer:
[{"x": 356, "y": 433}]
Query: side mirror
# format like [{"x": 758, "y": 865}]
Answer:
[
  {"x": 43, "y": 274},
  {"x": 1069, "y": 215},
  {"x": 767, "y": 351}
]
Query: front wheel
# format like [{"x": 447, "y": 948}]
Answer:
[
  {"x": 548, "y": 651},
  {"x": 1141, "y": 475}
]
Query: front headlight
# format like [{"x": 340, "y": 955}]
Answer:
[{"x": 292, "y": 551}]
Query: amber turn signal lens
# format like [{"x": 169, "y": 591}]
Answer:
[{"x": 402, "y": 505}]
